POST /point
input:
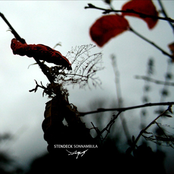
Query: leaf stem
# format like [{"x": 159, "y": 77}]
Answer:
[
  {"x": 165, "y": 13},
  {"x": 144, "y": 130},
  {"x": 12, "y": 29},
  {"x": 43, "y": 67},
  {"x": 106, "y": 11}
]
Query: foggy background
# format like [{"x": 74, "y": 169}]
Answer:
[{"x": 50, "y": 22}]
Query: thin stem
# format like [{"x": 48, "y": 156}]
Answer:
[
  {"x": 150, "y": 42},
  {"x": 144, "y": 130},
  {"x": 42, "y": 66},
  {"x": 91, "y": 6},
  {"x": 131, "y": 29},
  {"x": 165, "y": 13},
  {"x": 12, "y": 29},
  {"x": 109, "y": 125},
  {"x": 45, "y": 70},
  {"x": 126, "y": 108},
  {"x": 159, "y": 82}
]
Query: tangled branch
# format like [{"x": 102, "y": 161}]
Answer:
[
  {"x": 159, "y": 139},
  {"x": 84, "y": 67}
]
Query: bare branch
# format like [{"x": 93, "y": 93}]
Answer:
[
  {"x": 132, "y": 30},
  {"x": 159, "y": 82},
  {"x": 106, "y": 11},
  {"x": 125, "y": 108},
  {"x": 110, "y": 124},
  {"x": 144, "y": 130},
  {"x": 152, "y": 43},
  {"x": 12, "y": 29},
  {"x": 165, "y": 13}
]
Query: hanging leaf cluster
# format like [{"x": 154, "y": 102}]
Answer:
[
  {"x": 85, "y": 64},
  {"x": 110, "y": 26}
]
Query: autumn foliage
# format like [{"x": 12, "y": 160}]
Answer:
[
  {"x": 145, "y": 7},
  {"x": 40, "y": 52},
  {"x": 109, "y": 26}
]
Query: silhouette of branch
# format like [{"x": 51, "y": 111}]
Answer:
[
  {"x": 150, "y": 42},
  {"x": 38, "y": 86},
  {"x": 12, "y": 29},
  {"x": 167, "y": 138},
  {"x": 106, "y": 11},
  {"x": 159, "y": 82},
  {"x": 109, "y": 125},
  {"x": 149, "y": 125},
  {"x": 42, "y": 66},
  {"x": 132, "y": 30},
  {"x": 144, "y": 130},
  {"x": 165, "y": 13},
  {"x": 125, "y": 108}
]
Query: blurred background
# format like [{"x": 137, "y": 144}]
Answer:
[{"x": 51, "y": 22}]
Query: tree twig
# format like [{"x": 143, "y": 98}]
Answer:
[
  {"x": 149, "y": 125},
  {"x": 37, "y": 86},
  {"x": 12, "y": 29},
  {"x": 125, "y": 108},
  {"x": 109, "y": 125},
  {"x": 165, "y": 13},
  {"x": 105, "y": 11},
  {"x": 150, "y": 42},
  {"x": 159, "y": 82},
  {"x": 42, "y": 66}
]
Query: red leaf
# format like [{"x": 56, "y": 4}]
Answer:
[
  {"x": 171, "y": 47},
  {"x": 40, "y": 52},
  {"x": 107, "y": 27},
  {"x": 142, "y": 6}
]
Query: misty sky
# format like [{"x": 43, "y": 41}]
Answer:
[{"x": 51, "y": 22}]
